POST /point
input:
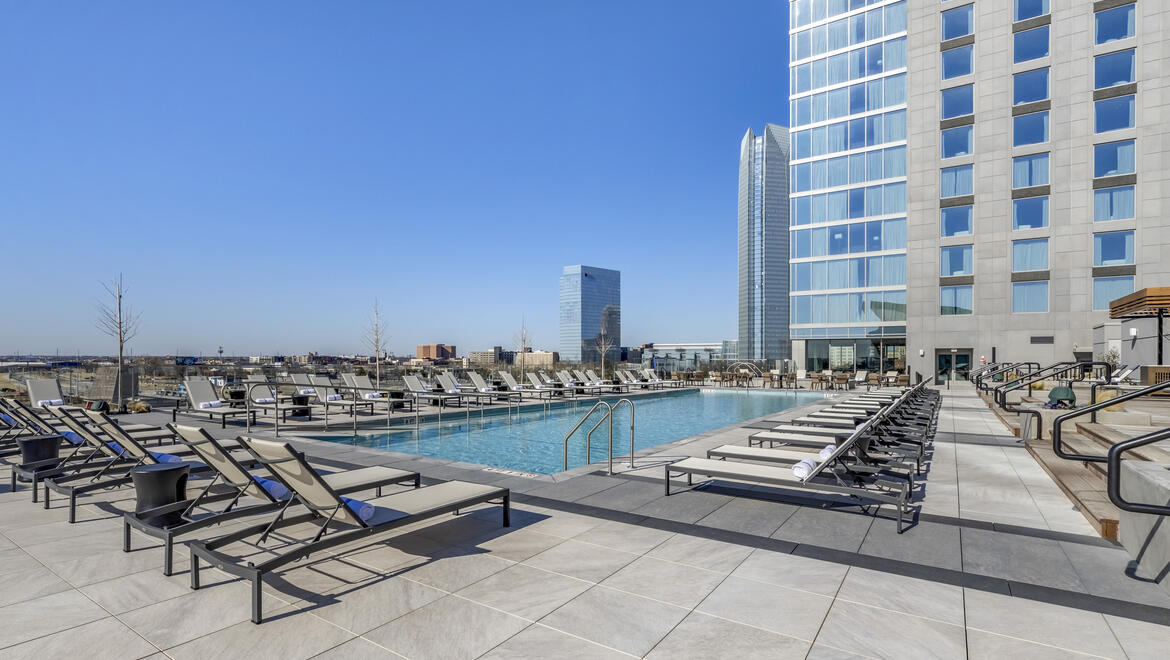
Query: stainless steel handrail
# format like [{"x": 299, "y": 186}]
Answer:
[{"x": 597, "y": 405}]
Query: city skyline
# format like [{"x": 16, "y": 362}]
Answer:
[{"x": 263, "y": 194}]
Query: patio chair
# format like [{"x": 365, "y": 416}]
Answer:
[
  {"x": 416, "y": 389},
  {"x": 330, "y": 398},
  {"x": 234, "y": 484},
  {"x": 44, "y": 392},
  {"x": 339, "y": 521},
  {"x": 514, "y": 386},
  {"x": 203, "y": 400}
]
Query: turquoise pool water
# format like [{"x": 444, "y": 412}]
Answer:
[{"x": 533, "y": 441}]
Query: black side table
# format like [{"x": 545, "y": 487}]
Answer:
[
  {"x": 36, "y": 448},
  {"x": 299, "y": 400},
  {"x": 159, "y": 485}
]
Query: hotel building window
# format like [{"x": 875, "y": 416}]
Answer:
[
  {"x": 1030, "y": 44},
  {"x": 958, "y": 141},
  {"x": 1115, "y": 113},
  {"x": 1030, "y": 212},
  {"x": 956, "y": 221},
  {"x": 1113, "y": 69},
  {"x": 1114, "y": 24},
  {"x": 958, "y": 22},
  {"x": 955, "y": 300},
  {"x": 1025, "y": 9},
  {"x": 956, "y": 181},
  {"x": 958, "y": 101},
  {"x": 1029, "y": 297},
  {"x": 1113, "y": 158},
  {"x": 1031, "y": 128},
  {"x": 1030, "y": 254},
  {"x": 957, "y": 62},
  {"x": 1113, "y": 203},
  {"x": 1108, "y": 289},
  {"x": 1113, "y": 248},
  {"x": 1028, "y": 171},
  {"x": 956, "y": 260},
  {"x": 1030, "y": 86}
]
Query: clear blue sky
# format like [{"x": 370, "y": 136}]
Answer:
[{"x": 262, "y": 171}]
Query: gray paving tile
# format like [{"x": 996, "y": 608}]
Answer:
[
  {"x": 32, "y": 582},
  {"x": 685, "y": 506},
  {"x": 703, "y": 636},
  {"x": 1041, "y": 622},
  {"x": 1025, "y": 559},
  {"x": 928, "y": 543},
  {"x": 581, "y": 560},
  {"x": 283, "y": 636},
  {"x": 749, "y": 516},
  {"x": 673, "y": 583},
  {"x": 989, "y": 646},
  {"x": 454, "y": 572},
  {"x": 792, "y": 571},
  {"x": 516, "y": 545},
  {"x": 196, "y": 613},
  {"x": 525, "y": 591},
  {"x": 448, "y": 628},
  {"x": 839, "y": 530},
  {"x": 625, "y": 537},
  {"x": 104, "y": 639},
  {"x": 701, "y": 552},
  {"x": 357, "y": 649},
  {"x": 576, "y": 488},
  {"x": 885, "y": 634},
  {"x": 822, "y": 651},
  {"x": 1140, "y": 640},
  {"x": 362, "y": 607},
  {"x": 626, "y": 496},
  {"x": 539, "y": 641},
  {"x": 778, "y": 609},
  {"x": 136, "y": 590},
  {"x": 616, "y": 619},
  {"x": 922, "y": 598},
  {"x": 46, "y": 615},
  {"x": 1104, "y": 572}
]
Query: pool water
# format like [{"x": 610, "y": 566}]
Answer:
[{"x": 533, "y": 441}]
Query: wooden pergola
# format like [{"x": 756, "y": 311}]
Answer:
[{"x": 1148, "y": 302}]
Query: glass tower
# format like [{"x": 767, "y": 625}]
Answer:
[
  {"x": 591, "y": 304},
  {"x": 848, "y": 183},
  {"x": 763, "y": 245}
]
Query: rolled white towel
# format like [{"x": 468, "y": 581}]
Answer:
[
  {"x": 49, "y": 402},
  {"x": 373, "y": 395},
  {"x": 803, "y": 468},
  {"x": 825, "y": 453},
  {"x": 485, "y": 390},
  {"x": 308, "y": 391},
  {"x": 210, "y": 404},
  {"x": 266, "y": 399},
  {"x": 333, "y": 397}
]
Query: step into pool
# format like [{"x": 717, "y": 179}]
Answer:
[{"x": 533, "y": 440}]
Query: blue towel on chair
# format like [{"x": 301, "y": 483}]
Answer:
[
  {"x": 363, "y": 510},
  {"x": 73, "y": 438},
  {"x": 8, "y": 420},
  {"x": 116, "y": 448},
  {"x": 274, "y": 488},
  {"x": 166, "y": 458}
]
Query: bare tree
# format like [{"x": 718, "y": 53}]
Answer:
[
  {"x": 119, "y": 321},
  {"x": 523, "y": 342},
  {"x": 604, "y": 345},
  {"x": 375, "y": 338}
]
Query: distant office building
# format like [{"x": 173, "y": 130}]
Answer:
[
  {"x": 591, "y": 299},
  {"x": 681, "y": 357},
  {"x": 486, "y": 358},
  {"x": 763, "y": 245},
  {"x": 631, "y": 354},
  {"x": 435, "y": 351},
  {"x": 529, "y": 360},
  {"x": 730, "y": 350}
]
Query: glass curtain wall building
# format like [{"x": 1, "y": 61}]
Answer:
[
  {"x": 1035, "y": 159},
  {"x": 848, "y": 190},
  {"x": 763, "y": 245},
  {"x": 591, "y": 299}
]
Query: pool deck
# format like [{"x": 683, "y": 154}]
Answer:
[{"x": 997, "y": 564}]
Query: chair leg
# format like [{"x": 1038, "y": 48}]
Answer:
[{"x": 257, "y": 594}]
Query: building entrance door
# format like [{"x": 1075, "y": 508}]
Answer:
[{"x": 959, "y": 362}]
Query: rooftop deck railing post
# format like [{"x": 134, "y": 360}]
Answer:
[
  {"x": 1059, "y": 421},
  {"x": 1113, "y": 473}
]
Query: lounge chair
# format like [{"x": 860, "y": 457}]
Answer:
[
  {"x": 330, "y": 398},
  {"x": 538, "y": 385},
  {"x": 338, "y": 523},
  {"x": 44, "y": 392},
  {"x": 577, "y": 385},
  {"x": 416, "y": 389},
  {"x": 233, "y": 484},
  {"x": 512, "y": 385},
  {"x": 203, "y": 400},
  {"x": 468, "y": 392},
  {"x": 263, "y": 396}
]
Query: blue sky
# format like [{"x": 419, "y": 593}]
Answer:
[{"x": 261, "y": 172}]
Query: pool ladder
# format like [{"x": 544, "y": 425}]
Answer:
[{"x": 589, "y": 436}]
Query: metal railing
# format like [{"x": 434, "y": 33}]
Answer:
[
  {"x": 1003, "y": 370},
  {"x": 608, "y": 416},
  {"x": 1059, "y": 421},
  {"x": 1057, "y": 370},
  {"x": 1113, "y": 474}
]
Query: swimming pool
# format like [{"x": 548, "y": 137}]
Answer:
[{"x": 533, "y": 441}]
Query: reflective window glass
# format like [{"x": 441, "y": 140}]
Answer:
[
  {"x": 958, "y": 101},
  {"x": 1116, "y": 23},
  {"x": 956, "y": 300},
  {"x": 1029, "y": 86},
  {"x": 1113, "y": 158},
  {"x": 957, "y": 62},
  {"x": 1114, "y": 248},
  {"x": 1114, "y": 69},
  {"x": 1029, "y": 297},
  {"x": 956, "y": 221},
  {"x": 1108, "y": 289},
  {"x": 1030, "y": 212},
  {"x": 1031, "y": 128},
  {"x": 958, "y": 22},
  {"x": 1115, "y": 113},
  {"x": 1030, "y": 44},
  {"x": 957, "y": 141},
  {"x": 1113, "y": 204},
  {"x": 956, "y": 260}
]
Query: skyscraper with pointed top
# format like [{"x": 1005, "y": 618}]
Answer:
[{"x": 763, "y": 245}]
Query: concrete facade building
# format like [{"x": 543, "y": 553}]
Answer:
[
  {"x": 590, "y": 301},
  {"x": 763, "y": 244},
  {"x": 1033, "y": 149}
]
